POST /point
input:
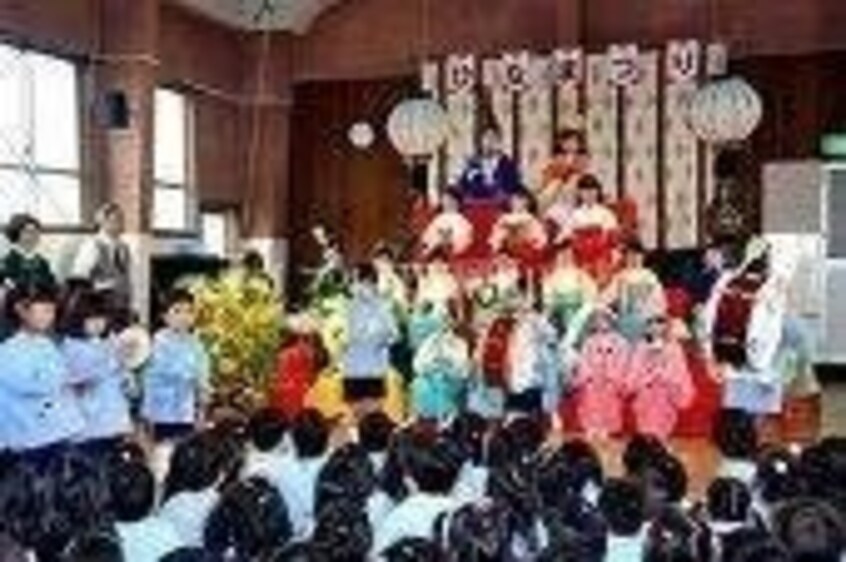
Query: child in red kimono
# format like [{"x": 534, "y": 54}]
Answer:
[
  {"x": 600, "y": 379},
  {"x": 300, "y": 360},
  {"x": 659, "y": 381},
  {"x": 519, "y": 234}
]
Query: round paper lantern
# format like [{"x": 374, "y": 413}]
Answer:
[
  {"x": 417, "y": 127},
  {"x": 361, "y": 135},
  {"x": 725, "y": 110}
]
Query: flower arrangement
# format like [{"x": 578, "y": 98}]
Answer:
[{"x": 239, "y": 318}]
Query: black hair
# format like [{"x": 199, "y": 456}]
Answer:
[
  {"x": 665, "y": 481},
  {"x": 267, "y": 428},
  {"x": 520, "y": 438},
  {"x": 177, "y": 296},
  {"x": 754, "y": 546},
  {"x": 310, "y": 433},
  {"x": 622, "y": 504},
  {"x": 515, "y": 486},
  {"x": 252, "y": 261},
  {"x": 735, "y": 434},
  {"x": 589, "y": 181},
  {"x": 82, "y": 307},
  {"x": 813, "y": 530},
  {"x": 728, "y": 500},
  {"x": 777, "y": 475},
  {"x": 469, "y": 429},
  {"x": 348, "y": 475},
  {"x": 577, "y": 533},
  {"x": 107, "y": 210},
  {"x": 479, "y": 532},
  {"x": 566, "y": 134},
  {"x": 250, "y": 519},
  {"x": 672, "y": 537},
  {"x": 33, "y": 293},
  {"x": 132, "y": 490},
  {"x": 413, "y": 550},
  {"x": 229, "y": 436},
  {"x": 635, "y": 246},
  {"x": 17, "y": 224},
  {"x": 433, "y": 464},
  {"x": 823, "y": 470},
  {"x": 194, "y": 465},
  {"x": 642, "y": 451},
  {"x": 94, "y": 547},
  {"x": 342, "y": 532},
  {"x": 374, "y": 432},
  {"x": 565, "y": 473},
  {"x": 366, "y": 273}
]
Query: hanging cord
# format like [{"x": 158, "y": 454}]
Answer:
[{"x": 256, "y": 130}]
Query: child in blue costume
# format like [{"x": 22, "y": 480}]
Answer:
[
  {"x": 176, "y": 378},
  {"x": 96, "y": 372},
  {"x": 39, "y": 412}
]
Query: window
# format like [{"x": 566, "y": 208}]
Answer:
[
  {"x": 216, "y": 232},
  {"x": 39, "y": 137},
  {"x": 171, "y": 161}
]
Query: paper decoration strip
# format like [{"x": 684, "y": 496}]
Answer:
[
  {"x": 501, "y": 98},
  {"x": 460, "y": 106},
  {"x": 460, "y": 74},
  {"x": 623, "y": 65},
  {"x": 683, "y": 61},
  {"x": 602, "y": 115},
  {"x": 535, "y": 107},
  {"x": 430, "y": 74},
  {"x": 641, "y": 146}
]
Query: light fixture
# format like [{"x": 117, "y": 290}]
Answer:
[
  {"x": 361, "y": 135},
  {"x": 417, "y": 127},
  {"x": 726, "y": 109}
]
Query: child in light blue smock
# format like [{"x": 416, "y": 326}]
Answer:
[
  {"x": 39, "y": 411},
  {"x": 95, "y": 372},
  {"x": 175, "y": 379}
]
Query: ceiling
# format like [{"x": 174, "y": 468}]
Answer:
[{"x": 284, "y": 15}]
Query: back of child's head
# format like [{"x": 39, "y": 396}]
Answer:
[
  {"x": 672, "y": 537},
  {"x": 574, "y": 470},
  {"x": 813, "y": 530},
  {"x": 622, "y": 504},
  {"x": 251, "y": 520},
  {"x": 342, "y": 532},
  {"x": 753, "y": 545},
  {"x": 413, "y": 550},
  {"x": 433, "y": 464},
  {"x": 310, "y": 434},
  {"x": 348, "y": 475},
  {"x": 823, "y": 470},
  {"x": 520, "y": 438},
  {"x": 641, "y": 451},
  {"x": 728, "y": 501},
  {"x": 515, "y": 486},
  {"x": 665, "y": 481},
  {"x": 132, "y": 488},
  {"x": 267, "y": 429},
  {"x": 374, "y": 432},
  {"x": 469, "y": 429},
  {"x": 194, "y": 465},
  {"x": 96, "y": 547},
  {"x": 777, "y": 476},
  {"x": 479, "y": 532},
  {"x": 576, "y": 532},
  {"x": 735, "y": 434}
]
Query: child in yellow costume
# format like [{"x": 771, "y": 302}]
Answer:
[{"x": 327, "y": 394}]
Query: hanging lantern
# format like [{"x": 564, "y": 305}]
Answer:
[
  {"x": 417, "y": 127},
  {"x": 725, "y": 110}
]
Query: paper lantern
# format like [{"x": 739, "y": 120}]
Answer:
[
  {"x": 417, "y": 127},
  {"x": 725, "y": 110}
]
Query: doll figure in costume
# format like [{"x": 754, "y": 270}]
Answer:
[
  {"x": 567, "y": 289},
  {"x": 593, "y": 229},
  {"x": 659, "y": 380},
  {"x": 491, "y": 176},
  {"x": 600, "y": 378},
  {"x": 636, "y": 294},
  {"x": 557, "y": 195},
  {"x": 442, "y": 369},
  {"x": 518, "y": 233},
  {"x": 449, "y": 232}
]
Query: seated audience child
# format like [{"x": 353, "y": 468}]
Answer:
[
  {"x": 673, "y": 537},
  {"x": 375, "y": 431},
  {"x": 191, "y": 487},
  {"x": 250, "y": 521},
  {"x": 777, "y": 480},
  {"x": 468, "y": 430},
  {"x": 342, "y": 532},
  {"x": 659, "y": 381},
  {"x": 811, "y": 529},
  {"x": 414, "y": 550},
  {"x": 478, "y": 532},
  {"x": 754, "y": 545},
  {"x": 431, "y": 470},
  {"x": 622, "y": 504},
  {"x": 268, "y": 447},
  {"x": 175, "y": 379},
  {"x": 96, "y": 373},
  {"x": 600, "y": 378},
  {"x": 346, "y": 477},
  {"x": 572, "y": 473},
  {"x": 93, "y": 547},
  {"x": 144, "y": 536},
  {"x": 40, "y": 414},
  {"x": 736, "y": 438},
  {"x": 298, "y": 476},
  {"x": 728, "y": 504},
  {"x": 575, "y": 533},
  {"x": 512, "y": 485}
]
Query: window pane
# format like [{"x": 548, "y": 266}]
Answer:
[
  {"x": 170, "y": 210},
  {"x": 13, "y": 121},
  {"x": 170, "y": 137},
  {"x": 55, "y": 112},
  {"x": 16, "y": 194},
  {"x": 58, "y": 199},
  {"x": 215, "y": 233}
]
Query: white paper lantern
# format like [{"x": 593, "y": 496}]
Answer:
[
  {"x": 417, "y": 127},
  {"x": 361, "y": 135},
  {"x": 725, "y": 110}
]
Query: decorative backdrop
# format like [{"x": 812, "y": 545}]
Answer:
[{"x": 631, "y": 102}]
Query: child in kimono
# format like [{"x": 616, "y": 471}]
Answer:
[
  {"x": 567, "y": 289},
  {"x": 600, "y": 378},
  {"x": 449, "y": 232},
  {"x": 437, "y": 285},
  {"x": 39, "y": 411},
  {"x": 519, "y": 234},
  {"x": 593, "y": 229},
  {"x": 441, "y": 367},
  {"x": 659, "y": 381},
  {"x": 96, "y": 373},
  {"x": 175, "y": 379},
  {"x": 636, "y": 294},
  {"x": 371, "y": 331}
]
